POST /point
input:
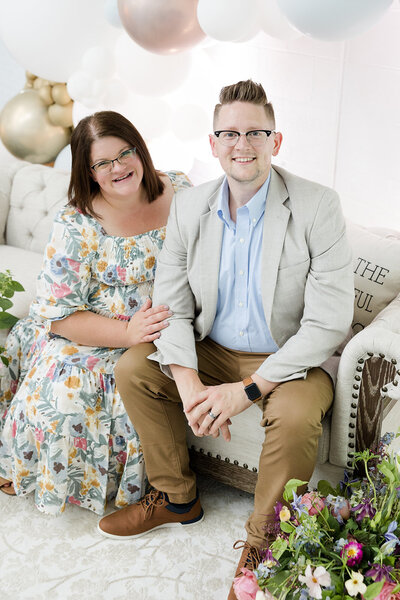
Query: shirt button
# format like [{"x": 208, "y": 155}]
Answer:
[
  {"x": 241, "y": 272},
  {"x": 254, "y": 220},
  {"x": 241, "y": 333},
  {"x": 241, "y": 240},
  {"x": 240, "y": 303}
]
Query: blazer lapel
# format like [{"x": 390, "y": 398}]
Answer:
[
  {"x": 275, "y": 224},
  {"x": 211, "y": 230}
]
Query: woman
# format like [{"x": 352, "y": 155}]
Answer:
[{"x": 65, "y": 434}]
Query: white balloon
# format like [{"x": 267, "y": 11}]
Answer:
[
  {"x": 274, "y": 23},
  {"x": 147, "y": 73},
  {"x": 111, "y": 13},
  {"x": 333, "y": 19},
  {"x": 168, "y": 154},
  {"x": 64, "y": 159},
  {"x": 81, "y": 85},
  {"x": 151, "y": 116},
  {"x": 228, "y": 20},
  {"x": 80, "y": 111},
  {"x": 48, "y": 38},
  {"x": 99, "y": 61},
  {"x": 190, "y": 122},
  {"x": 117, "y": 93}
]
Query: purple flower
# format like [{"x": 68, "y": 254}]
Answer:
[
  {"x": 365, "y": 509},
  {"x": 391, "y": 539},
  {"x": 379, "y": 572},
  {"x": 277, "y": 509},
  {"x": 297, "y": 505},
  {"x": 353, "y": 553}
]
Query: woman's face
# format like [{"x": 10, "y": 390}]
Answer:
[{"x": 118, "y": 179}]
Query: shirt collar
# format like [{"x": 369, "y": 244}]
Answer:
[{"x": 255, "y": 206}]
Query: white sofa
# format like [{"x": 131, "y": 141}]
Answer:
[{"x": 367, "y": 388}]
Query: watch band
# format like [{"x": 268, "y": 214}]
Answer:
[{"x": 251, "y": 389}]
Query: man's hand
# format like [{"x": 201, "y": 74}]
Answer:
[
  {"x": 224, "y": 401},
  {"x": 190, "y": 387}
]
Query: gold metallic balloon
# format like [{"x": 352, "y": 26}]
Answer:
[
  {"x": 26, "y": 131},
  {"x": 60, "y": 94},
  {"x": 61, "y": 115},
  {"x": 162, "y": 27},
  {"x": 45, "y": 94}
]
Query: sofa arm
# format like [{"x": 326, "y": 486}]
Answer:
[{"x": 368, "y": 377}]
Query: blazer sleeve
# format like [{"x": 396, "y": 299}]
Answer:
[
  {"x": 328, "y": 298},
  {"x": 176, "y": 345}
]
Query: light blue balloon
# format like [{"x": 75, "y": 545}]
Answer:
[{"x": 333, "y": 19}]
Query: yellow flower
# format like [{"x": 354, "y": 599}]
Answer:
[
  {"x": 69, "y": 350},
  {"x": 149, "y": 262},
  {"x": 50, "y": 251},
  {"x": 101, "y": 266},
  {"x": 72, "y": 382},
  {"x": 284, "y": 514}
]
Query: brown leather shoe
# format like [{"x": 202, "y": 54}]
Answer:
[
  {"x": 152, "y": 512},
  {"x": 250, "y": 559}
]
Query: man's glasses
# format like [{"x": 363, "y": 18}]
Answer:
[
  {"x": 256, "y": 137},
  {"x": 106, "y": 166}
]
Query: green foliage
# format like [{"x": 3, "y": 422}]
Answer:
[{"x": 8, "y": 287}]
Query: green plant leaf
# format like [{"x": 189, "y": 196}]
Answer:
[
  {"x": 325, "y": 488},
  {"x": 373, "y": 590},
  {"x": 286, "y": 527},
  {"x": 291, "y": 487},
  {"x": 7, "y": 320},
  {"x": 4, "y": 360},
  {"x": 5, "y": 303},
  {"x": 17, "y": 287}
]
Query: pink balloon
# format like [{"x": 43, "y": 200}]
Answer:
[{"x": 162, "y": 27}]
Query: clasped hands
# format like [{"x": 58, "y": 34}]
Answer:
[{"x": 223, "y": 401}]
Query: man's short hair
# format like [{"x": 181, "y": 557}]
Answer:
[{"x": 245, "y": 91}]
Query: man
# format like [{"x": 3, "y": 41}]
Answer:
[{"x": 257, "y": 271}]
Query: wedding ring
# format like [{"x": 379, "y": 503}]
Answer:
[{"x": 213, "y": 416}]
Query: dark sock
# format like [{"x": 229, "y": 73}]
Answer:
[{"x": 182, "y": 507}]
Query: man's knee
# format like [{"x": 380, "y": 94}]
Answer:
[{"x": 133, "y": 361}]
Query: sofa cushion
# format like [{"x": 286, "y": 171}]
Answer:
[
  {"x": 7, "y": 172},
  {"x": 37, "y": 194},
  {"x": 376, "y": 265}
]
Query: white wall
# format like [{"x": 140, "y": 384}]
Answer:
[{"x": 337, "y": 105}]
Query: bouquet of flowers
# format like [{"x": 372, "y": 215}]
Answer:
[{"x": 334, "y": 544}]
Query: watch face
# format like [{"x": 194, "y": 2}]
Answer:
[{"x": 253, "y": 392}]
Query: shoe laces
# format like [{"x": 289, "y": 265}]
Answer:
[
  {"x": 251, "y": 556},
  {"x": 151, "y": 501}
]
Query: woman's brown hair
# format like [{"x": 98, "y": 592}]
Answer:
[{"x": 82, "y": 187}]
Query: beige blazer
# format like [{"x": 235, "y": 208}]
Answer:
[{"x": 307, "y": 285}]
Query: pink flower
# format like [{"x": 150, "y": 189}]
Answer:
[
  {"x": 315, "y": 580},
  {"x": 39, "y": 434},
  {"x": 72, "y": 500},
  {"x": 13, "y": 385},
  {"x": 74, "y": 264},
  {"x": 50, "y": 372},
  {"x": 313, "y": 502},
  {"x": 386, "y": 592},
  {"x": 4, "y": 414},
  {"x": 80, "y": 443},
  {"x": 121, "y": 457},
  {"x": 60, "y": 291},
  {"x": 14, "y": 429},
  {"x": 246, "y": 586},
  {"x": 353, "y": 552},
  {"x": 91, "y": 361},
  {"x": 122, "y": 273}
]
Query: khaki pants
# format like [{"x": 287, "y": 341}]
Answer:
[{"x": 292, "y": 418}]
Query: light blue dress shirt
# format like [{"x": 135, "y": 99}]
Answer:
[{"x": 240, "y": 322}]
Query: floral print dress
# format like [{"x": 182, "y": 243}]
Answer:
[{"x": 64, "y": 432}]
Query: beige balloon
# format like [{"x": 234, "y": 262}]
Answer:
[
  {"x": 45, "y": 94},
  {"x": 61, "y": 115},
  {"x": 26, "y": 131},
  {"x": 39, "y": 82},
  {"x": 60, "y": 94},
  {"x": 160, "y": 26}
]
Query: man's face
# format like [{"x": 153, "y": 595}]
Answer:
[{"x": 244, "y": 163}]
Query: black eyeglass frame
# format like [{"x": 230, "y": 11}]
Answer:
[
  {"x": 111, "y": 162},
  {"x": 239, "y": 133}
]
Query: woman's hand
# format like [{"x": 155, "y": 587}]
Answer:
[{"x": 147, "y": 323}]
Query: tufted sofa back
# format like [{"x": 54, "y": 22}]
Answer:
[{"x": 35, "y": 194}]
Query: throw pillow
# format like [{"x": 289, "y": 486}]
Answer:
[{"x": 376, "y": 266}]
